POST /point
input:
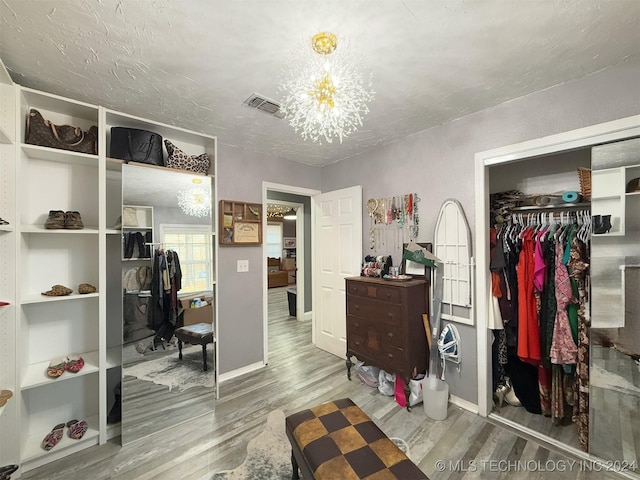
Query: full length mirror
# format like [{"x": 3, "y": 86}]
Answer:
[
  {"x": 168, "y": 364},
  {"x": 614, "y": 389}
]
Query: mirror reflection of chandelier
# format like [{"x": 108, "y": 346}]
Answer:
[
  {"x": 195, "y": 201},
  {"x": 276, "y": 211},
  {"x": 325, "y": 95}
]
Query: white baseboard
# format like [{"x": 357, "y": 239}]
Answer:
[
  {"x": 241, "y": 371},
  {"x": 307, "y": 315},
  {"x": 462, "y": 403}
]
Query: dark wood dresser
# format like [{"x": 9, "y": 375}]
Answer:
[{"x": 385, "y": 328}]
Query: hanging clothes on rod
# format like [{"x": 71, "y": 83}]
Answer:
[
  {"x": 542, "y": 292},
  {"x": 166, "y": 282}
]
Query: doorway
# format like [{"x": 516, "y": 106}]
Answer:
[
  {"x": 299, "y": 198},
  {"x": 565, "y": 142}
]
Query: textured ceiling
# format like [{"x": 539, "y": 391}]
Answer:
[{"x": 193, "y": 62}]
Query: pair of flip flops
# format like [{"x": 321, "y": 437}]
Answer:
[
  {"x": 77, "y": 429},
  {"x": 3, "y": 221},
  {"x": 72, "y": 364}
]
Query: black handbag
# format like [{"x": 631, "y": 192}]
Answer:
[{"x": 133, "y": 145}]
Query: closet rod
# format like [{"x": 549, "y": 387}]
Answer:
[{"x": 560, "y": 206}]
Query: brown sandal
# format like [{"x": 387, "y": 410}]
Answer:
[
  {"x": 84, "y": 288},
  {"x": 58, "y": 291}
]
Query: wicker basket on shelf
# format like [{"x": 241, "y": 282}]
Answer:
[{"x": 584, "y": 174}]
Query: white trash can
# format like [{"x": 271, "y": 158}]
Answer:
[{"x": 435, "y": 394}]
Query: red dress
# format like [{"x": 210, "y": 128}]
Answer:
[{"x": 528, "y": 330}]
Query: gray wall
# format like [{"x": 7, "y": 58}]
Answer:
[
  {"x": 306, "y": 201},
  {"x": 439, "y": 163},
  {"x": 240, "y": 176}
]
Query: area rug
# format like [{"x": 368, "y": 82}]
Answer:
[
  {"x": 178, "y": 375},
  {"x": 268, "y": 454}
]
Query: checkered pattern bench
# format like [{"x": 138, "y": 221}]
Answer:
[{"x": 337, "y": 440}]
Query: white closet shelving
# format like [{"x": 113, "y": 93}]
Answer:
[
  {"x": 34, "y": 328},
  {"x": 9, "y": 451},
  {"x": 54, "y": 327}
]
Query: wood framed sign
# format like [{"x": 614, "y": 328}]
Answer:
[
  {"x": 247, "y": 232},
  {"x": 240, "y": 223}
]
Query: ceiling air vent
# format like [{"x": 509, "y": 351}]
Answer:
[{"x": 260, "y": 102}]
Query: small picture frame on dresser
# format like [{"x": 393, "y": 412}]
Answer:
[{"x": 414, "y": 269}]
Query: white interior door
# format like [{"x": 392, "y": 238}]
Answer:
[{"x": 337, "y": 254}]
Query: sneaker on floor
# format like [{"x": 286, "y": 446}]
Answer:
[
  {"x": 73, "y": 221},
  {"x": 55, "y": 220}
]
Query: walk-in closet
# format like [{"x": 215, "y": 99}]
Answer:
[{"x": 563, "y": 315}]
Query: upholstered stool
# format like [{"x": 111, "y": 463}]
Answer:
[
  {"x": 338, "y": 440},
  {"x": 198, "y": 334}
]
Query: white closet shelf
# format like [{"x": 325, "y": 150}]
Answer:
[
  {"x": 36, "y": 373},
  {"x": 87, "y": 230},
  {"x": 33, "y": 451},
  {"x": 37, "y": 152},
  {"x": 113, "y": 231},
  {"x": 39, "y": 298},
  {"x": 6, "y": 228}
]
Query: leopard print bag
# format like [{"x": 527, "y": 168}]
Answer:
[{"x": 181, "y": 161}]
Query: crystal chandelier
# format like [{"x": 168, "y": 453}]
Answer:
[
  {"x": 325, "y": 94},
  {"x": 275, "y": 210},
  {"x": 195, "y": 201}
]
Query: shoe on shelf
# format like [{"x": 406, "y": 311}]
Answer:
[
  {"x": 7, "y": 470},
  {"x": 53, "y": 437},
  {"x": 55, "y": 220},
  {"x": 74, "y": 363},
  {"x": 56, "y": 367},
  {"x": 5, "y": 395},
  {"x": 73, "y": 221},
  {"x": 84, "y": 288},
  {"x": 58, "y": 291},
  {"x": 118, "y": 224},
  {"x": 77, "y": 429}
]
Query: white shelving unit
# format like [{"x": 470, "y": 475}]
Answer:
[
  {"x": 607, "y": 197},
  {"x": 143, "y": 224},
  {"x": 54, "y": 327},
  {"x": 9, "y": 450},
  {"x": 35, "y": 328}
]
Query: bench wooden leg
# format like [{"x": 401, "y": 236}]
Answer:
[
  {"x": 294, "y": 463},
  {"x": 204, "y": 356},
  {"x": 179, "y": 349}
]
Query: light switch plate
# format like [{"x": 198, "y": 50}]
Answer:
[{"x": 243, "y": 266}]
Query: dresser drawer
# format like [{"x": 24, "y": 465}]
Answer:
[
  {"x": 377, "y": 292},
  {"x": 373, "y": 349},
  {"x": 387, "y": 333},
  {"x": 374, "y": 311}
]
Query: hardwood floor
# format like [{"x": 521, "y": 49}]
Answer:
[{"x": 300, "y": 376}]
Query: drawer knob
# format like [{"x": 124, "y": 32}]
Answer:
[
  {"x": 390, "y": 315},
  {"x": 356, "y": 324},
  {"x": 388, "y": 295},
  {"x": 356, "y": 307},
  {"x": 358, "y": 343},
  {"x": 390, "y": 355},
  {"x": 390, "y": 335}
]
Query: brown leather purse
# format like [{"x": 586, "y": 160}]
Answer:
[{"x": 66, "y": 137}]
